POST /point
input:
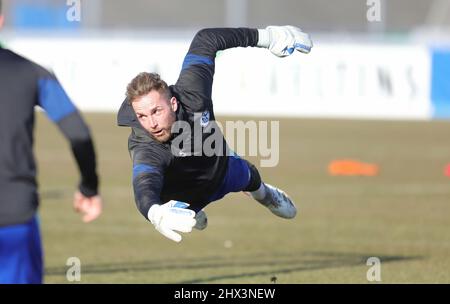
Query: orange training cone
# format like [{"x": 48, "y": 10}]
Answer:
[
  {"x": 349, "y": 167},
  {"x": 447, "y": 170}
]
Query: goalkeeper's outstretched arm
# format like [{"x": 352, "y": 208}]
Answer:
[
  {"x": 148, "y": 178},
  {"x": 199, "y": 63}
]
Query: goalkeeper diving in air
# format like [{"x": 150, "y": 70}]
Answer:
[{"x": 172, "y": 187}]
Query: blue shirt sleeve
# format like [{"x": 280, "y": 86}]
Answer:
[{"x": 53, "y": 99}]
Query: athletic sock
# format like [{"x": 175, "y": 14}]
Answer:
[{"x": 260, "y": 193}]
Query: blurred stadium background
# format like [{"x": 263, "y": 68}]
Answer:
[{"x": 376, "y": 91}]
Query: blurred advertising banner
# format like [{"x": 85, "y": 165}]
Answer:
[{"x": 379, "y": 81}]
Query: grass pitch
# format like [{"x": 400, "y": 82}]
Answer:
[{"x": 401, "y": 216}]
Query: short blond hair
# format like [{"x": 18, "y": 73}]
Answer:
[{"x": 144, "y": 83}]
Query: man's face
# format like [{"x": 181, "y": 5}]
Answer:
[
  {"x": 1, "y": 21},
  {"x": 156, "y": 113}
]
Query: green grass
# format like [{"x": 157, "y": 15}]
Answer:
[{"x": 401, "y": 216}]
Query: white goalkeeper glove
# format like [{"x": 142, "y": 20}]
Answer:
[
  {"x": 283, "y": 40},
  {"x": 172, "y": 216}
]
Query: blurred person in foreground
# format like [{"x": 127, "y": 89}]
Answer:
[
  {"x": 24, "y": 85},
  {"x": 173, "y": 180}
]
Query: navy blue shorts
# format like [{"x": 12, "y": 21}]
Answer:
[
  {"x": 236, "y": 179},
  {"x": 21, "y": 254}
]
